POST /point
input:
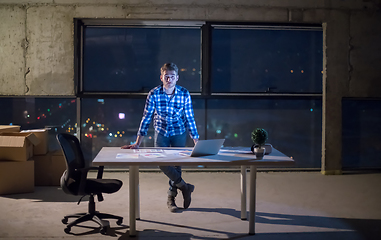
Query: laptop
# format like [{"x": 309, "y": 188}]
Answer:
[{"x": 206, "y": 147}]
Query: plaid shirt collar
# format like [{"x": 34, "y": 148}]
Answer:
[{"x": 161, "y": 90}]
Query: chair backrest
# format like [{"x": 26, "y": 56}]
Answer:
[{"x": 74, "y": 160}]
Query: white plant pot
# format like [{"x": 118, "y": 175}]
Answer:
[{"x": 259, "y": 152}]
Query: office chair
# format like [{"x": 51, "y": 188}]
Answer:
[{"x": 74, "y": 181}]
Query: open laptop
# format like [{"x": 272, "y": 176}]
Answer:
[{"x": 206, "y": 147}]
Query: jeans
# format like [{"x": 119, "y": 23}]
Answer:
[{"x": 172, "y": 172}]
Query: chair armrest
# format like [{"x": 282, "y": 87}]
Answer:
[{"x": 100, "y": 172}]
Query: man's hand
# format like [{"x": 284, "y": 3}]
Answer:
[
  {"x": 195, "y": 140},
  {"x": 139, "y": 140},
  {"x": 132, "y": 146}
]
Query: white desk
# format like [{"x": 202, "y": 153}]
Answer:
[{"x": 115, "y": 156}]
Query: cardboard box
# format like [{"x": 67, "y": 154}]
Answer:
[
  {"x": 17, "y": 146},
  {"x": 9, "y": 128},
  {"x": 42, "y": 135},
  {"x": 49, "y": 168},
  {"x": 16, "y": 177}
]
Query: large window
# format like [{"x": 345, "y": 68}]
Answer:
[
  {"x": 241, "y": 76},
  {"x": 273, "y": 59},
  {"x": 128, "y": 59}
]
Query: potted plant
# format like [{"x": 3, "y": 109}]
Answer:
[{"x": 259, "y": 137}]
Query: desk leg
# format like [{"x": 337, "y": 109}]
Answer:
[
  {"x": 132, "y": 187},
  {"x": 253, "y": 179},
  {"x": 137, "y": 194},
  {"x": 243, "y": 193}
]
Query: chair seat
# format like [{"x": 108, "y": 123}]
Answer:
[{"x": 97, "y": 186}]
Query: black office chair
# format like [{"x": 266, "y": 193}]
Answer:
[{"x": 74, "y": 181}]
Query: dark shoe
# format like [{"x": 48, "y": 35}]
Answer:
[
  {"x": 187, "y": 189},
  {"x": 171, "y": 204}
]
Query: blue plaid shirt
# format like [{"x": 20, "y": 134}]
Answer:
[{"x": 172, "y": 113}]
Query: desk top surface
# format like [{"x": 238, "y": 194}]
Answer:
[{"x": 115, "y": 156}]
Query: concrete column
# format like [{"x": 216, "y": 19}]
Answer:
[
  {"x": 13, "y": 45},
  {"x": 335, "y": 85}
]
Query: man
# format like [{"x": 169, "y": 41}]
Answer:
[{"x": 172, "y": 108}]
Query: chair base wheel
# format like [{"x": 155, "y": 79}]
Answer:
[
  {"x": 64, "y": 220},
  {"x": 67, "y": 230}
]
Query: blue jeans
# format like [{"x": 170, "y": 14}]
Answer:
[{"x": 172, "y": 172}]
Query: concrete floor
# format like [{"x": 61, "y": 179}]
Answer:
[{"x": 290, "y": 205}]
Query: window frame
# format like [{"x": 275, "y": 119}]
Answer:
[{"x": 205, "y": 78}]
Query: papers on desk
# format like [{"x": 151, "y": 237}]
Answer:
[
  {"x": 148, "y": 150},
  {"x": 126, "y": 155},
  {"x": 152, "y": 155},
  {"x": 177, "y": 153},
  {"x": 134, "y": 155},
  {"x": 185, "y": 154}
]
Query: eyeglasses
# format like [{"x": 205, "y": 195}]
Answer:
[{"x": 172, "y": 77}]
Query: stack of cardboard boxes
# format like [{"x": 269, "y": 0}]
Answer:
[{"x": 25, "y": 161}]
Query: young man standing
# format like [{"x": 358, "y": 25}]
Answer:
[{"x": 171, "y": 107}]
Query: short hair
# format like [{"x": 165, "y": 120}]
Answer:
[{"x": 169, "y": 67}]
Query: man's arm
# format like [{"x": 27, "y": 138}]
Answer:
[
  {"x": 188, "y": 109},
  {"x": 144, "y": 124},
  {"x": 147, "y": 115}
]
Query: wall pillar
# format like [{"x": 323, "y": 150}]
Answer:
[{"x": 335, "y": 86}]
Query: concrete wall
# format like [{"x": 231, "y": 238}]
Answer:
[{"x": 36, "y": 44}]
